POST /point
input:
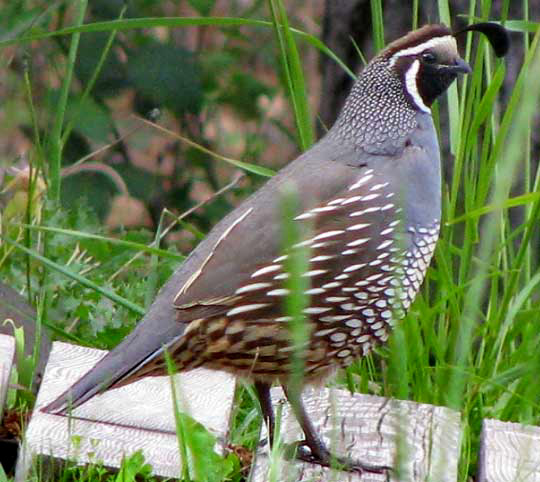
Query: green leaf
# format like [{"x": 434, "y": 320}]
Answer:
[
  {"x": 112, "y": 76},
  {"x": 166, "y": 76},
  {"x": 80, "y": 279},
  {"x": 89, "y": 119},
  {"x": 243, "y": 92},
  {"x": 204, "y": 7},
  {"x": 133, "y": 467}
]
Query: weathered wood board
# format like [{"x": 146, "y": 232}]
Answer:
[
  {"x": 509, "y": 452},
  {"x": 421, "y": 440},
  {"x": 122, "y": 421},
  {"x": 7, "y": 354}
]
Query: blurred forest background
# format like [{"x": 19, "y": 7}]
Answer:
[{"x": 221, "y": 88}]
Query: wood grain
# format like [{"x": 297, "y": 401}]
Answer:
[
  {"x": 121, "y": 421},
  {"x": 422, "y": 440},
  {"x": 509, "y": 452},
  {"x": 7, "y": 354}
]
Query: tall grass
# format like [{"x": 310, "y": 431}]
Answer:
[{"x": 470, "y": 340}]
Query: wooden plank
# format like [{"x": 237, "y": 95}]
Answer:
[
  {"x": 122, "y": 421},
  {"x": 509, "y": 452},
  {"x": 422, "y": 440},
  {"x": 7, "y": 354}
]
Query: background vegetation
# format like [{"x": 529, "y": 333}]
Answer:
[{"x": 128, "y": 131}]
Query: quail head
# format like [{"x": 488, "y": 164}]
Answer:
[{"x": 370, "y": 193}]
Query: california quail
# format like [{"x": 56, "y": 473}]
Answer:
[{"x": 369, "y": 191}]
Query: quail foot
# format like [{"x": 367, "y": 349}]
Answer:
[{"x": 370, "y": 191}]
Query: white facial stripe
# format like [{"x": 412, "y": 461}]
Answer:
[
  {"x": 412, "y": 86},
  {"x": 447, "y": 40}
]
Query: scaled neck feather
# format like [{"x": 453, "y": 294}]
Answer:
[{"x": 377, "y": 116}]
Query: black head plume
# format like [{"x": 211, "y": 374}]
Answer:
[{"x": 496, "y": 34}]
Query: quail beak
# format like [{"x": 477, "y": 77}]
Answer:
[{"x": 460, "y": 67}]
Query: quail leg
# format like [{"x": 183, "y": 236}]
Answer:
[
  {"x": 318, "y": 453},
  {"x": 263, "y": 393}
]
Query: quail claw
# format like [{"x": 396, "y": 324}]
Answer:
[{"x": 301, "y": 451}]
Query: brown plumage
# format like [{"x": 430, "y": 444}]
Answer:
[
  {"x": 354, "y": 294},
  {"x": 416, "y": 37}
]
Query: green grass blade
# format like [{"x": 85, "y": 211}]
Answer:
[
  {"x": 294, "y": 76},
  {"x": 118, "y": 242},
  {"x": 246, "y": 166},
  {"x": 95, "y": 74},
  {"x": 181, "y": 430},
  {"x": 508, "y": 160},
  {"x": 55, "y": 142},
  {"x": 452, "y": 95},
  {"x": 172, "y": 22},
  {"x": 297, "y": 284},
  {"x": 521, "y": 200},
  {"x": 377, "y": 21},
  {"x": 522, "y": 26}
]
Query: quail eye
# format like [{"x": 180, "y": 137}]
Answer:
[{"x": 429, "y": 57}]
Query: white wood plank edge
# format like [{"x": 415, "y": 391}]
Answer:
[
  {"x": 7, "y": 356},
  {"x": 122, "y": 421}
]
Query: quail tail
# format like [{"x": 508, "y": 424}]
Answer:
[{"x": 122, "y": 364}]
